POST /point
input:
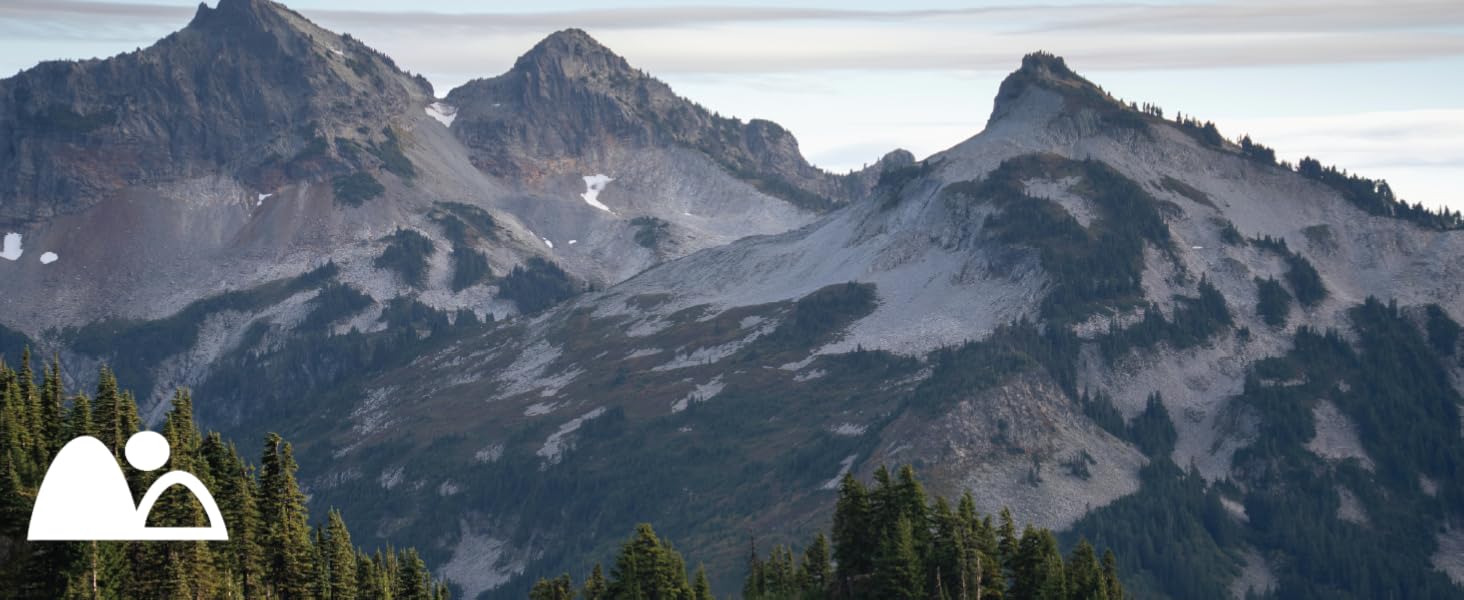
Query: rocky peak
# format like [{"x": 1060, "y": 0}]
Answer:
[
  {"x": 571, "y": 54},
  {"x": 249, "y": 87},
  {"x": 570, "y": 97},
  {"x": 1045, "y": 72}
]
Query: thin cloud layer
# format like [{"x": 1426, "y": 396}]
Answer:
[{"x": 762, "y": 39}]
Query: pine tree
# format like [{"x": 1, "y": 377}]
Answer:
[
  {"x": 1007, "y": 544},
  {"x": 647, "y": 568},
  {"x": 1085, "y": 576},
  {"x": 559, "y": 588},
  {"x": 79, "y": 418},
  {"x": 853, "y": 532},
  {"x": 286, "y": 535},
  {"x": 897, "y": 567},
  {"x": 52, "y": 415},
  {"x": 241, "y": 559},
  {"x": 413, "y": 582},
  {"x": 1113, "y": 589},
  {"x": 177, "y": 569},
  {"x": 341, "y": 558},
  {"x": 816, "y": 573},
  {"x": 1039, "y": 568},
  {"x": 596, "y": 588},
  {"x": 110, "y": 416},
  {"x": 701, "y": 587}
]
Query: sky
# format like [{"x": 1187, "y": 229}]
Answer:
[{"x": 1374, "y": 87}]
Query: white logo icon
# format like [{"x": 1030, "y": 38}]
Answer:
[{"x": 84, "y": 496}]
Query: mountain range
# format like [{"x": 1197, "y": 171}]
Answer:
[{"x": 504, "y": 322}]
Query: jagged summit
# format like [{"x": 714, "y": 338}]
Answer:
[
  {"x": 570, "y": 97},
  {"x": 239, "y": 15},
  {"x": 1049, "y": 72},
  {"x": 573, "y": 54},
  {"x": 247, "y": 87}
]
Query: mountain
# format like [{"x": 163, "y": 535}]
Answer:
[
  {"x": 226, "y": 176},
  {"x": 1060, "y": 314},
  {"x": 1239, "y": 374},
  {"x": 675, "y": 177},
  {"x": 248, "y": 89}
]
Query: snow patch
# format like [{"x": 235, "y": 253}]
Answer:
[
  {"x": 549, "y": 243},
  {"x": 448, "y": 488},
  {"x": 479, "y": 563},
  {"x": 443, "y": 112},
  {"x": 336, "y": 51},
  {"x": 540, "y": 408},
  {"x": 48, "y": 258},
  {"x": 848, "y": 429},
  {"x": 702, "y": 393},
  {"x": 555, "y": 445},
  {"x": 594, "y": 184},
  {"x": 390, "y": 478},
  {"x": 844, "y": 466},
  {"x": 489, "y": 454},
  {"x": 11, "y": 249},
  {"x": 1449, "y": 558},
  {"x": 573, "y": 242},
  {"x": 262, "y": 198}
]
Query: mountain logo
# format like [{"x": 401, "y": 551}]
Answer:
[{"x": 85, "y": 497}]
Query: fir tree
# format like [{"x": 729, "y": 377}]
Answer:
[
  {"x": 816, "y": 572},
  {"x": 341, "y": 558},
  {"x": 286, "y": 535},
  {"x": 596, "y": 588}
]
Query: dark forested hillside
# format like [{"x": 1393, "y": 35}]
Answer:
[{"x": 272, "y": 550}]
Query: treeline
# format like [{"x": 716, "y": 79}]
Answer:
[
  {"x": 888, "y": 543},
  {"x": 272, "y": 551},
  {"x": 646, "y": 568},
  {"x": 1374, "y": 196}
]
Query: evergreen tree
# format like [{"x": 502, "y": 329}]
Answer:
[
  {"x": 79, "y": 418},
  {"x": 413, "y": 582},
  {"x": 559, "y": 588},
  {"x": 113, "y": 420},
  {"x": 816, "y": 573},
  {"x": 854, "y": 533},
  {"x": 286, "y": 535},
  {"x": 1112, "y": 588},
  {"x": 701, "y": 587},
  {"x": 897, "y": 566},
  {"x": 596, "y": 588},
  {"x": 648, "y": 569},
  {"x": 341, "y": 558},
  {"x": 1085, "y": 576}
]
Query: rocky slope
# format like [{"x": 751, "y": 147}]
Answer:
[
  {"x": 669, "y": 177},
  {"x": 722, "y": 394},
  {"x": 1026, "y": 315},
  {"x": 151, "y": 190}
]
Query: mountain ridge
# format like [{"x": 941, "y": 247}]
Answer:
[{"x": 1020, "y": 315}]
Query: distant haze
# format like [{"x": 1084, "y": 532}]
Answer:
[{"x": 1370, "y": 86}]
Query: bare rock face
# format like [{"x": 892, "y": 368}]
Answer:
[
  {"x": 571, "y": 97},
  {"x": 249, "y": 88}
]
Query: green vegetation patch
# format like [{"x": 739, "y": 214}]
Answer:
[
  {"x": 1273, "y": 303},
  {"x": 355, "y": 189},
  {"x": 1092, "y": 268},
  {"x": 649, "y": 231},
  {"x": 407, "y": 252},
  {"x": 536, "y": 285},
  {"x": 134, "y": 347}
]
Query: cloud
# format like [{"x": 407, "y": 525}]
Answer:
[{"x": 744, "y": 39}]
